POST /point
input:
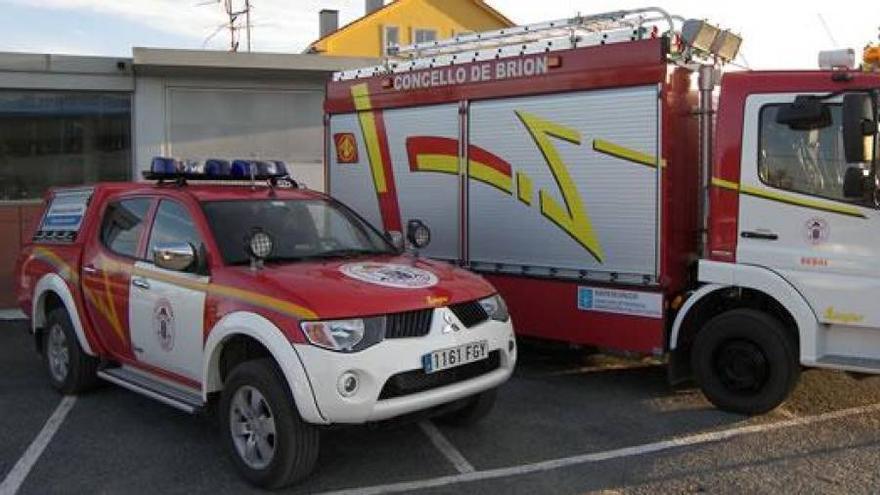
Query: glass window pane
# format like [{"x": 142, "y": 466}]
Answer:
[
  {"x": 173, "y": 224},
  {"x": 123, "y": 225},
  {"x": 425, "y": 35},
  {"x": 805, "y": 161},
  {"x": 51, "y": 138}
]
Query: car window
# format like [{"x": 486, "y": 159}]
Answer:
[
  {"x": 804, "y": 161},
  {"x": 173, "y": 224},
  {"x": 123, "y": 225}
]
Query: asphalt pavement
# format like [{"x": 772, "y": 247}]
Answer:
[{"x": 567, "y": 423}]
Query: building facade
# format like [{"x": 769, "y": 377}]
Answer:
[
  {"x": 67, "y": 120},
  {"x": 403, "y": 22}
]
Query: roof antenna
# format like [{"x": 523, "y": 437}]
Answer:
[{"x": 827, "y": 30}]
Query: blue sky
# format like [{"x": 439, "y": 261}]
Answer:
[{"x": 780, "y": 34}]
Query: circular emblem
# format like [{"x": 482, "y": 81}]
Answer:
[
  {"x": 163, "y": 324},
  {"x": 390, "y": 275},
  {"x": 817, "y": 230}
]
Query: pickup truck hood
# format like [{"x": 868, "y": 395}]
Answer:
[{"x": 343, "y": 288}]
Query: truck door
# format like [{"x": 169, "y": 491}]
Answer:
[
  {"x": 167, "y": 307},
  {"x": 106, "y": 270},
  {"x": 795, "y": 219}
]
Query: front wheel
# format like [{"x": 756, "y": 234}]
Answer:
[
  {"x": 268, "y": 441},
  {"x": 745, "y": 361}
]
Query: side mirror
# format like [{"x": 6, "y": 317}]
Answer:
[
  {"x": 805, "y": 113},
  {"x": 854, "y": 183},
  {"x": 395, "y": 237},
  {"x": 859, "y": 127},
  {"x": 418, "y": 234},
  {"x": 177, "y": 256}
]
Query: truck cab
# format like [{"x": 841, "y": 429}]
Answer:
[{"x": 278, "y": 305}]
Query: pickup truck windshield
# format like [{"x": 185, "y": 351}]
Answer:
[{"x": 300, "y": 230}]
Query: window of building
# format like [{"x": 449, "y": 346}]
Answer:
[
  {"x": 803, "y": 161},
  {"x": 424, "y": 35},
  {"x": 391, "y": 37},
  {"x": 123, "y": 224},
  {"x": 173, "y": 224},
  {"x": 53, "y": 138}
]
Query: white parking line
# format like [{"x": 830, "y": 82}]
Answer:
[
  {"x": 24, "y": 465},
  {"x": 648, "y": 448},
  {"x": 446, "y": 448}
]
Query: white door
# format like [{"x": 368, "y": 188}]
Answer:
[
  {"x": 795, "y": 220},
  {"x": 166, "y": 308}
]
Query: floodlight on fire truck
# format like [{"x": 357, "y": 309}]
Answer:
[
  {"x": 710, "y": 39},
  {"x": 844, "y": 59}
]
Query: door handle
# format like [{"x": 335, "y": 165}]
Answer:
[
  {"x": 765, "y": 236},
  {"x": 91, "y": 270},
  {"x": 140, "y": 283}
]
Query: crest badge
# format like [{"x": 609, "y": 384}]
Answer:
[
  {"x": 163, "y": 324},
  {"x": 390, "y": 275}
]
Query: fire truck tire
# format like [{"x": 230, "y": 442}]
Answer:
[
  {"x": 745, "y": 361},
  {"x": 268, "y": 441},
  {"x": 71, "y": 370},
  {"x": 476, "y": 408}
]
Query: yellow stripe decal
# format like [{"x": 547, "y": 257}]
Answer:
[
  {"x": 789, "y": 199},
  {"x": 631, "y": 155},
  {"x": 367, "y": 120},
  {"x": 524, "y": 188},
  {"x": 486, "y": 174},
  {"x": 445, "y": 164}
]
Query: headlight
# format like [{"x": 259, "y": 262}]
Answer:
[
  {"x": 345, "y": 335},
  {"x": 495, "y": 308}
]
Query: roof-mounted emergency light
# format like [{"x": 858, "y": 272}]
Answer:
[
  {"x": 710, "y": 39},
  {"x": 215, "y": 169}
]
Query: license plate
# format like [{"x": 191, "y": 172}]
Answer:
[{"x": 455, "y": 356}]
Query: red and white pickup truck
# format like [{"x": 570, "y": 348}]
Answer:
[{"x": 278, "y": 304}]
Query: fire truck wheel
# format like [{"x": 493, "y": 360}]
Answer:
[
  {"x": 475, "y": 409},
  {"x": 745, "y": 361},
  {"x": 267, "y": 439},
  {"x": 71, "y": 370}
]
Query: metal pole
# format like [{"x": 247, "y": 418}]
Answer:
[
  {"x": 707, "y": 87},
  {"x": 247, "y": 13}
]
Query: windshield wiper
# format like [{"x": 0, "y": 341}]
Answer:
[{"x": 348, "y": 253}]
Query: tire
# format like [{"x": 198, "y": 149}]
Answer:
[
  {"x": 745, "y": 361},
  {"x": 71, "y": 370},
  {"x": 287, "y": 456},
  {"x": 475, "y": 409}
]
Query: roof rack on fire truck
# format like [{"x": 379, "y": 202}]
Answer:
[{"x": 597, "y": 29}]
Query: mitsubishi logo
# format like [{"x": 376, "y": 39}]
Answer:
[{"x": 451, "y": 325}]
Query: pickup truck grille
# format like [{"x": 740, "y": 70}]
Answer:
[
  {"x": 469, "y": 313},
  {"x": 415, "y": 381},
  {"x": 409, "y": 324}
]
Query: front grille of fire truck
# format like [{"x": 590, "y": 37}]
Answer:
[
  {"x": 409, "y": 324},
  {"x": 469, "y": 313},
  {"x": 415, "y": 381}
]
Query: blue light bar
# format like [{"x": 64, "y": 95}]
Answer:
[{"x": 215, "y": 169}]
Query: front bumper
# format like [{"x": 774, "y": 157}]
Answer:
[{"x": 376, "y": 365}]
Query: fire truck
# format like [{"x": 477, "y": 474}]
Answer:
[{"x": 624, "y": 188}]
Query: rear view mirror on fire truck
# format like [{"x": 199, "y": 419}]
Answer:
[{"x": 859, "y": 126}]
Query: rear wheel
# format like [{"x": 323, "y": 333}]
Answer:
[
  {"x": 71, "y": 370},
  {"x": 745, "y": 361},
  {"x": 268, "y": 441},
  {"x": 475, "y": 409}
]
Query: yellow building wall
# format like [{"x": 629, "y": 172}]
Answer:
[{"x": 363, "y": 38}]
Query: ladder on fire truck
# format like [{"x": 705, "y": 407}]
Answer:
[{"x": 598, "y": 29}]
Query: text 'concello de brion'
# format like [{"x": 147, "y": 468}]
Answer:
[{"x": 488, "y": 71}]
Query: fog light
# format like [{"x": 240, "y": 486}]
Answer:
[{"x": 348, "y": 384}]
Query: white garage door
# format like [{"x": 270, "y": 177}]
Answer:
[{"x": 248, "y": 123}]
